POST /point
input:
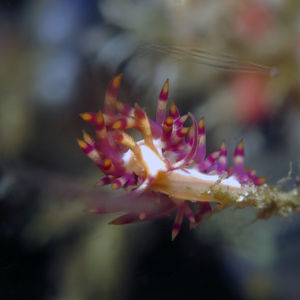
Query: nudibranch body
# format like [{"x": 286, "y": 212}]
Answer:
[{"x": 169, "y": 167}]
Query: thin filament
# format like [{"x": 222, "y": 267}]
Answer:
[{"x": 204, "y": 57}]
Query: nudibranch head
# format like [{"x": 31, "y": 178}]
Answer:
[{"x": 169, "y": 167}]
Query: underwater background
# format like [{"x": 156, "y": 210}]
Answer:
[{"x": 56, "y": 60}]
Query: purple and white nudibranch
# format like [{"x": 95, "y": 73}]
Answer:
[{"x": 169, "y": 168}]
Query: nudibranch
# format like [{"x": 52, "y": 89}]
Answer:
[{"x": 168, "y": 170}]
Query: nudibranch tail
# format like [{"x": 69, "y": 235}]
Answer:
[{"x": 167, "y": 169}]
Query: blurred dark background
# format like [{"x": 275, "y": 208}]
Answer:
[{"x": 56, "y": 59}]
